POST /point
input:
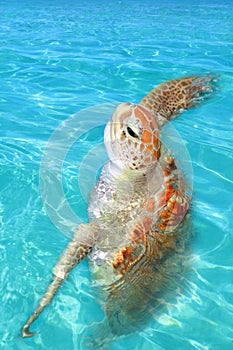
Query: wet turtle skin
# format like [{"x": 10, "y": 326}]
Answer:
[{"x": 137, "y": 230}]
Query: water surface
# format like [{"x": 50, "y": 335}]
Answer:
[{"x": 57, "y": 59}]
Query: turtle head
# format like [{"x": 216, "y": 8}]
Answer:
[{"x": 132, "y": 138}]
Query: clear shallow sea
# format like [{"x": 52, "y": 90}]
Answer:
[{"x": 57, "y": 58}]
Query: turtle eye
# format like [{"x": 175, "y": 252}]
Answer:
[{"x": 132, "y": 133}]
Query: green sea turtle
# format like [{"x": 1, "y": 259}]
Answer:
[{"x": 137, "y": 208}]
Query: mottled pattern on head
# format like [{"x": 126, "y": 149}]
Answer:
[{"x": 132, "y": 137}]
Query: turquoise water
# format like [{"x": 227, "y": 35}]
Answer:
[{"x": 57, "y": 59}]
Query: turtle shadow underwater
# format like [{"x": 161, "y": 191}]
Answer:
[{"x": 139, "y": 229}]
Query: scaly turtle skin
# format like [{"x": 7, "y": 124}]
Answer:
[{"x": 137, "y": 208}]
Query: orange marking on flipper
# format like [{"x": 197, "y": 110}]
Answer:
[
  {"x": 124, "y": 259},
  {"x": 174, "y": 203},
  {"x": 173, "y": 210}
]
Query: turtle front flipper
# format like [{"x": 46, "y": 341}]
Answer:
[
  {"x": 76, "y": 251},
  {"x": 170, "y": 99}
]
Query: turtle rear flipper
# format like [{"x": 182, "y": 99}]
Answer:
[
  {"x": 172, "y": 98},
  {"x": 79, "y": 247}
]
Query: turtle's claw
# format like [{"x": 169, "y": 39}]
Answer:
[{"x": 26, "y": 332}]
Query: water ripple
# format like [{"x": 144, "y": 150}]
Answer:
[{"x": 58, "y": 58}]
